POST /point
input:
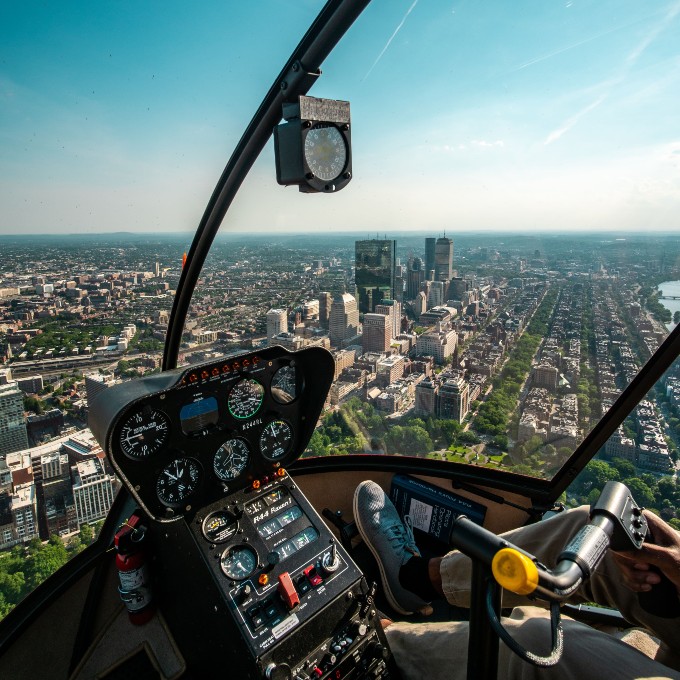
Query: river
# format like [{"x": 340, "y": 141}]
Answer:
[{"x": 670, "y": 288}]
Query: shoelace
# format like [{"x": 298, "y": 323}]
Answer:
[{"x": 402, "y": 535}]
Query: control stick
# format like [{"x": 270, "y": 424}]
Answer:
[{"x": 616, "y": 521}]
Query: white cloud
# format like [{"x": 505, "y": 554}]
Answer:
[{"x": 571, "y": 122}]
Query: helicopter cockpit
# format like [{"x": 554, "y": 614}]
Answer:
[{"x": 302, "y": 356}]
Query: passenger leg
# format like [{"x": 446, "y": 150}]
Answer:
[
  {"x": 546, "y": 540},
  {"x": 438, "y": 651}
]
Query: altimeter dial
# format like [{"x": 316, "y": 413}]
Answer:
[
  {"x": 143, "y": 433},
  {"x": 177, "y": 481},
  {"x": 231, "y": 459}
]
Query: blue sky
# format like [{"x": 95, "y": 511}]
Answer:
[{"x": 120, "y": 116}]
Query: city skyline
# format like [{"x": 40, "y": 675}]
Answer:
[{"x": 506, "y": 366}]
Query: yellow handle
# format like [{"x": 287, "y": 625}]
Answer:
[{"x": 515, "y": 571}]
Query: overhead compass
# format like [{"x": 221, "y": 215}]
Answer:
[
  {"x": 177, "y": 481},
  {"x": 143, "y": 433},
  {"x": 245, "y": 398},
  {"x": 231, "y": 459}
]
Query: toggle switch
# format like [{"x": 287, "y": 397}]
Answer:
[{"x": 287, "y": 591}]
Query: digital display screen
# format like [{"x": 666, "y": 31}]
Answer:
[
  {"x": 275, "y": 496},
  {"x": 299, "y": 541},
  {"x": 273, "y": 525},
  {"x": 199, "y": 415}
]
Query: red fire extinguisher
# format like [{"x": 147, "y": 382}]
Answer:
[{"x": 133, "y": 574}]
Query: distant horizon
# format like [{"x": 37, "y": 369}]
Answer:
[{"x": 644, "y": 232}]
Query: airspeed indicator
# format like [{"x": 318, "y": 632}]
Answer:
[{"x": 245, "y": 398}]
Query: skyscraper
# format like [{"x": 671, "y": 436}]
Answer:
[
  {"x": 457, "y": 288},
  {"x": 344, "y": 320},
  {"x": 13, "y": 435},
  {"x": 277, "y": 322},
  {"x": 375, "y": 272},
  {"x": 435, "y": 297},
  {"x": 415, "y": 277},
  {"x": 454, "y": 399},
  {"x": 377, "y": 333},
  {"x": 325, "y": 300},
  {"x": 430, "y": 244},
  {"x": 443, "y": 259},
  {"x": 391, "y": 308}
]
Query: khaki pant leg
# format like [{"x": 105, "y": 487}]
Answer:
[
  {"x": 546, "y": 540},
  {"x": 438, "y": 651}
]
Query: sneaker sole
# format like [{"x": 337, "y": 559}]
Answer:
[{"x": 388, "y": 593}]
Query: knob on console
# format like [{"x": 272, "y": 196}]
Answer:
[
  {"x": 330, "y": 560},
  {"x": 278, "y": 672}
]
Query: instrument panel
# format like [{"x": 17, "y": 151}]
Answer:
[{"x": 186, "y": 438}]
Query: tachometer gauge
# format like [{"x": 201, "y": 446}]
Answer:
[
  {"x": 178, "y": 480},
  {"x": 239, "y": 562},
  {"x": 276, "y": 439},
  {"x": 231, "y": 459},
  {"x": 245, "y": 398},
  {"x": 143, "y": 433},
  {"x": 285, "y": 385},
  {"x": 220, "y": 526}
]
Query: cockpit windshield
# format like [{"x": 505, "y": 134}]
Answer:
[
  {"x": 504, "y": 259},
  {"x": 502, "y": 262}
]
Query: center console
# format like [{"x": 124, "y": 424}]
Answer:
[{"x": 248, "y": 576}]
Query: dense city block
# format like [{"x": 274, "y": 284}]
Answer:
[{"x": 504, "y": 353}]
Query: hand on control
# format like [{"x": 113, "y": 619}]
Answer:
[{"x": 662, "y": 552}]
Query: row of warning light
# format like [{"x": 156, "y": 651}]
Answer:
[
  {"x": 279, "y": 472},
  {"x": 206, "y": 374}
]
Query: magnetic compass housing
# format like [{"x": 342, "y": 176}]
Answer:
[{"x": 313, "y": 147}]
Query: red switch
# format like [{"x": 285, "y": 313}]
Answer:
[
  {"x": 287, "y": 591},
  {"x": 312, "y": 576}
]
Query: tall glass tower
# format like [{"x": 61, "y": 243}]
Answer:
[
  {"x": 430, "y": 244},
  {"x": 13, "y": 435},
  {"x": 443, "y": 259},
  {"x": 375, "y": 272}
]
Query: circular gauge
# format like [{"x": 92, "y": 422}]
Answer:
[
  {"x": 285, "y": 384},
  {"x": 220, "y": 526},
  {"x": 177, "y": 481},
  {"x": 143, "y": 433},
  {"x": 239, "y": 562},
  {"x": 245, "y": 398},
  {"x": 276, "y": 439},
  {"x": 325, "y": 151},
  {"x": 231, "y": 459}
]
